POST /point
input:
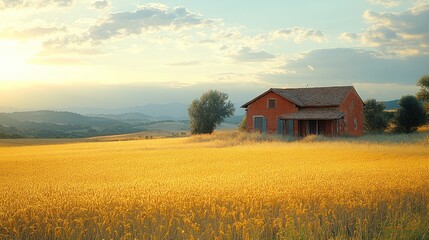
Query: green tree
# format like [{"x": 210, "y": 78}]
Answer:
[
  {"x": 423, "y": 94},
  {"x": 210, "y": 110},
  {"x": 375, "y": 121},
  {"x": 409, "y": 116}
]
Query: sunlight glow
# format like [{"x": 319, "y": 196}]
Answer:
[{"x": 13, "y": 59}]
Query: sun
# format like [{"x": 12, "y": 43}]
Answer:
[{"x": 14, "y": 59}]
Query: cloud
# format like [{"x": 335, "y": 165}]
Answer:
[
  {"x": 246, "y": 54},
  {"x": 5, "y": 4},
  {"x": 345, "y": 66},
  {"x": 234, "y": 37},
  {"x": 29, "y": 33},
  {"x": 157, "y": 22},
  {"x": 100, "y": 4},
  {"x": 401, "y": 34},
  {"x": 298, "y": 35},
  {"x": 147, "y": 18},
  {"x": 349, "y": 37},
  {"x": 69, "y": 45},
  {"x": 386, "y": 3}
]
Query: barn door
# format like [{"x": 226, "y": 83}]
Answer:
[{"x": 264, "y": 125}]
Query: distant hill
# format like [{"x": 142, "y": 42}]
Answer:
[
  {"x": 134, "y": 117},
  {"x": 391, "y": 105},
  {"x": 178, "y": 111},
  {"x": 127, "y": 117},
  {"x": 61, "y": 124},
  {"x": 52, "y": 124},
  {"x": 60, "y": 118},
  {"x": 159, "y": 112},
  {"x": 169, "y": 111}
]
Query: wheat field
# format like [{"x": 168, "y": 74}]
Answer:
[{"x": 214, "y": 188}]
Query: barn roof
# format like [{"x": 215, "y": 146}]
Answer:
[
  {"x": 310, "y": 97},
  {"x": 315, "y": 114}
]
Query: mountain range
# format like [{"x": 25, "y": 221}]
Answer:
[{"x": 169, "y": 111}]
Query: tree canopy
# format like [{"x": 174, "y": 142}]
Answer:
[
  {"x": 209, "y": 111},
  {"x": 423, "y": 94},
  {"x": 410, "y": 115},
  {"x": 375, "y": 121}
]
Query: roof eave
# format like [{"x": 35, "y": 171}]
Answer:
[
  {"x": 286, "y": 118},
  {"x": 318, "y": 106},
  {"x": 258, "y": 97}
]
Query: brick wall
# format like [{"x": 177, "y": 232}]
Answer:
[
  {"x": 352, "y": 106},
  {"x": 260, "y": 108}
]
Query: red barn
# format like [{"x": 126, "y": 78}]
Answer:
[{"x": 326, "y": 111}]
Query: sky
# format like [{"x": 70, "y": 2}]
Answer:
[{"x": 114, "y": 53}]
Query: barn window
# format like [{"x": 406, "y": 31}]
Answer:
[
  {"x": 271, "y": 103},
  {"x": 260, "y": 124},
  {"x": 355, "y": 123}
]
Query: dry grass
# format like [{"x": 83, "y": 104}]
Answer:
[{"x": 215, "y": 188}]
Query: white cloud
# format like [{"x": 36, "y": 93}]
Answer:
[
  {"x": 70, "y": 44},
  {"x": 146, "y": 18},
  {"x": 157, "y": 22},
  {"x": 101, "y": 4},
  {"x": 298, "y": 35},
  {"x": 5, "y": 4},
  {"x": 233, "y": 36},
  {"x": 349, "y": 37},
  {"x": 386, "y": 3},
  {"x": 246, "y": 54},
  {"x": 402, "y": 34}
]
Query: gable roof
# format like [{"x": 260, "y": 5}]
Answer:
[{"x": 310, "y": 97}]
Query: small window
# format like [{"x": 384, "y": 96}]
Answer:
[
  {"x": 355, "y": 123},
  {"x": 271, "y": 103}
]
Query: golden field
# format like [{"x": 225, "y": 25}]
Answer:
[{"x": 213, "y": 187}]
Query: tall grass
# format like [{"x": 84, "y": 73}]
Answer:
[
  {"x": 232, "y": 138},
  {"x": 211, "y": 187}
]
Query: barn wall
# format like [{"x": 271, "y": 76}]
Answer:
[
  {"x": 260, "y": 108},
  {"x": 352, "y": 106}
]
